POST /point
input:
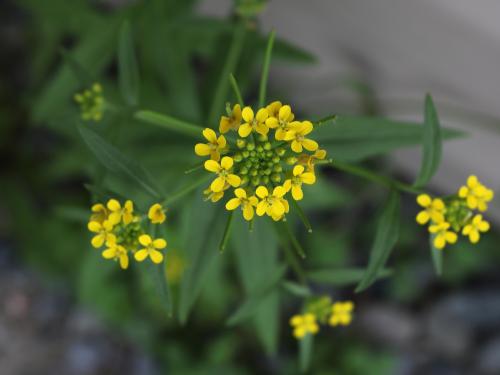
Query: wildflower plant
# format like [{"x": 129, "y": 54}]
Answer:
[{"x": 259, "y": 158}]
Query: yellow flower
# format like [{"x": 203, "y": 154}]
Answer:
[
  {"x": 341, "y": 313},
  {"x": 310, "y": 160},
  {"x": 231, "y": 122},
  {"x": 297, "y": 135},
  {"x": 213, "y": 196},
  {"x": 223, "y": 171},
  {"x": 282, "y": 123},
  {"x": 213, "y": 147},
  {"x": 295, "y": 183},
  {"x": 119, "y": 213},
  {"x": 304, "y": 324},
  {"x": 116, "y": 252},
  {"x": 434, "y": 209},
  {"x": 150, "y": 249},
  {"x": 99, "y": 213},
  {"x": 476, "y": 194},
  {"x": 273, "y": 205},
  {"x": 476, "y": 226},
  {"x": 103, "y": 231},
  {"x": 247, "y": 203},
  {"x": 274, "y": 108},
  {"x": 442, "y": 235},
  {"x": 156, "y": 214},
  {"x": 256, "y": 123}
]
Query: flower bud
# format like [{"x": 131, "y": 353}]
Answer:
[
  {"x": 255, "y": 181},
  {"x": 240, "y": 143},
  {"x": 238, "y": 157},
  {"x": 277, "y": 168},
  {"x": 262, "y": 138},
  {"x": 291, "y": 160},
  {"x": 251, "y": 146},
  {"x": 280, "y": 151},
  {"x": 276, "y": 177},
  {"x": 267, "y": 146}
]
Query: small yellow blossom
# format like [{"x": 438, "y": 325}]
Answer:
[
  {"x": 224, "y": 174},
  {"x": 476, "y": 226},
  {"x": 99, "y": 213},
  {"x": 247, "y": 203},
  {"x": 303, "y": 325},
  {"x": 103, "y": 231},
  {"x": 297, "y": 135},
  {"x": 116, "y": 252},
  {"x": 310, "y": 160},
  {"x": 433, "y": 209},
  {"x": 156, "y": 214},
  {"x": 151, "y": 249},
  {"x": 442, "y": 234},
  {"x": 214, "y": 147},
  {"x": 119, "y": 213},
  {"x": 476, "y": 194},
  {"x": 253, "y": 122},
  {"x": 282, "y": 123},
  {"x": 273, "y": 205},
  {"x": 295, "y": 183},
  {"x": 231, "y": 122},
  {"x": 341, "y": 313},
  {"x": 274, "y": 108}
]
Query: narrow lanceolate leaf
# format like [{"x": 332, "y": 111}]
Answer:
[
  {"x": 265, "y": 69},
  {"x": 115, "y": 161},
  {"x": 385, "y": 239},
  {"x": 437, "y": 256},
  {"x": 341, "y": 276},
  {"x": 128, "y": 71},
  {"x": 431, "y": 143},
  {"x": 296, "y": 289},
  {"x": 170, "y": 123},
  {"x": 254, "y": 300},
  {"x": 305, "y": 352}
]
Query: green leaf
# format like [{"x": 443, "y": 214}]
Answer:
[
  {"x": 285, "y": 51},
  {"x": 236, "y": 90},
  {"x": 385, "y": 239},
  {"x": 115, "y": 161},
  {"x": 341, "y": 276},
  {"x": 201, "y": 250},
  {"x": 306, "y": 345},
  {"x": 254, "y": 300},
  {"x": 170, "y": 123},
  {"x": 296, "y": 289},
  {"x": 354, "y": 138},
  {"x": 265, "y": 69},
  {"x": 128, "y": 71},
  {"x": 432, "y": 144},
  {"x": 437, "y": 256}
]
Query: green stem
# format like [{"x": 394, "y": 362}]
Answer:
[
  {"x": 229, "y": 66},
  {"x": 227, "y": 232},
  {"x": 170, "y": 123},
  {"x": 236, "y": 90},
  {"x": 265, "y": 69},
  {"x": 374, "y": 177},
  {"x": 184, "y": 191},
  {"x": 324, "y": 120},
  {"x": 302, "y": 216}
]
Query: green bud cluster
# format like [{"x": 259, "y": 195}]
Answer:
[
  {"x": 127, "y": 235},
  {"x": 457, "y": 213},
  {"x": 321, "y": 307}
]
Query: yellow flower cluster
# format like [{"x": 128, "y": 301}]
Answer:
[
  {"x": 119, "y": 231},
  {"x": 271, "y": 156},
  {"x": 321, "y": 311},
  {"x": 456, "y": 214},
  {"x": 91, "y": 103}
]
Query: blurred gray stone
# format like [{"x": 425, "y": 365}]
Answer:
[{"x": 488, "y": 359}]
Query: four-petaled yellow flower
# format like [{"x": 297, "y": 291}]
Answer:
[
  {"x": 99, "y": 213},
  {"x": 298, "y": 137},
  {"x": 310, "y": 160},
  {"x": 156, "y": 214},
  {"x": 103, "y": 231},
  {"x": 273, "y": 205},
  {"x": 232, "y": 122},
  {"x": 151, "y": 249},
  {"x": 256, "y": 123},
  {"x": 433, "y": 209},
  {"x": 476, "y": 194},
  {"x": 223, "y": 171},
  {"x": 247, "y": 203},
  {"x": 116, "y": 252},
  {"x": 282, "y": 123},
  {"x": 303, "y": 325},
  {"x": 476, "y": 226},
  {"x": 341, "y": 313},
  {"x": 214, "y": 147},
  {"x": 119, "y": 213},
  {"x": 442, "y": 234},
  {"x": 295, "y": 183}
]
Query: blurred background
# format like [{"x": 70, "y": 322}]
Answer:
[{"x": 65, "y": 311}]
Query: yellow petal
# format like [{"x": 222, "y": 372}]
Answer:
[
  {"x": 221, "y": 141},
  {"x": 261, "y": 128},
  {"x": 202, "y": 149},
  {"x": 159, "y": 243},
  {"x": 279, "y": 191},
  {"x": 145, "y": 240},
  {"x": 109, "y": 253},
  {"x": 423, "y": 217},
  {"x": 472, "y": 181},
  {"x": 297, "y": 170},
  {"x": 296, "y": 146},
  {"x": 261, "y": 208},
  {"x": 277, "y": 209},
  {"x": 424, "y": 200},
  {"x": 232, "y": 204},
  {"x": 248, "y": 212},
  {"x": 247, "y": 114},
  {"x": 272, "y": 122},
  {"x": 439, "y": 242},
  {"x": 233, "y": 180},
  {"x": 308, "y": 178},
  {"x": 474, "y": 236},
  {"x": 94, "y": 226},
  {"x": 226, "y": 163},
  {"x": 244, "y": 130},
  {"x": 262, "y": 192},
  {"x": 141, "y": 255},
  {"x": 262, "y": 115},
  {"x": 484, "y": 226},
  {"x": 287, "y": 185},
  {"x": 212, "y": 166},
  {"x": 309, "y": 144},
  {"x": 217, "y": 185},
  {"x": 438, "y": 204},
  {"x": 285, "y": 112},
  {"x": 210, "y": 135},
  {"x": 114, "y": 205},
  {"x": 463, "y": 192},
  {"x": 156, "y": 256},
  {"x": 124, "y": 261},
  {"x": 297, "y": 193},
  {"x": 98, "y": 241},
  {"x": 240, "y": 193},
  {"x": 451, "y": 237}
]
